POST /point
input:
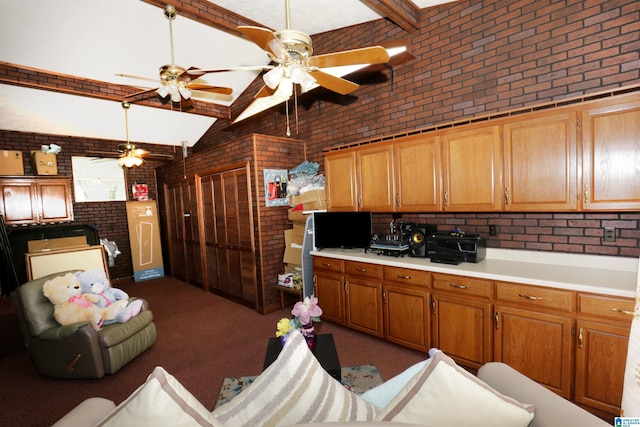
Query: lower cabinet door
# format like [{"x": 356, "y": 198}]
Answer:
[
  {"x": 601, "y": 354},
  {"x": 462, "y": 329},
  {"x": 406, "y": 316},
  {"x": 536, "y": 344},
  {"x": 329, "y": 289},
  {"x": 364, "y": 306}
]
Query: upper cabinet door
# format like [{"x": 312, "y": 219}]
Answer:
[
  {"x": 540, "y": 163},
  {"x": 611, "y": 157},
  {"x": 418, "y": 174},
  {"x": 54, "y": 197},
  {"x": 472, "y": 171},
  {"x": 18, "y": 202},
  {"x": 375, "y": 178},
  {"x": 340, "y": 171}
]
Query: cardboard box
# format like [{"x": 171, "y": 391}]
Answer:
[
  {"x": 309, "y": 197},
  {"x": 292, "y": 251},
  {"x": 46, "y": 245},
  {"x": 44, "y": 163},
  {"x": 144, "y": 236},
  {"x": 298, "y": 234},
  {"x": 296, "y": 216},
  {"x": 11, "y": 162}
]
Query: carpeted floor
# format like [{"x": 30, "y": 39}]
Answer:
[{"x": 356, "y": 378}]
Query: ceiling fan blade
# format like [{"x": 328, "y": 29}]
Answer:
[
  {"x": 110, "y": 154},
  {"x": 131, "y": 76},
  {"x": 336, "y": 84},
  {"x": 199, "y": 72},
  {"x": 365, "y": 55},
  {"x": 266, "y": 40},
  {"x": 142, "y": 92},
  {"x": 207, "y": 88},
  {"x": 152, "y": 156},
  {"x": 264, "y": 99}
]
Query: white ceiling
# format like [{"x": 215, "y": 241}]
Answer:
[{"x": 97, "y": 39}]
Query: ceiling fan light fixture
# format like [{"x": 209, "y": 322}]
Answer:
[
  {"x": 163, "y": 91},
  {"x": 129, "y": 161},
  {"x": 285, "y": 88},
  {"x": 307, "y": 83},
  {"x": 273, "y": 77},
  {"x": 184, "y": 91}
]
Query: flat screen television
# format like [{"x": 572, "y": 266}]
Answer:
[{"x": 342, "y": 229}]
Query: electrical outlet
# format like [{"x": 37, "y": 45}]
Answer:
[
  {"x": 493, "y": 230},
  {"x": 609, "y": 234}
]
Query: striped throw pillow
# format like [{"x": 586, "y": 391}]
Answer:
[{"x": 292, "y": 390}]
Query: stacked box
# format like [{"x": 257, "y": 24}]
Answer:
[
  {"x": 44, "y": 163},
  {"x": 293, "y": 239},
  {"x": 11, "y": 162},
  {"x": 311, "y": 200}
]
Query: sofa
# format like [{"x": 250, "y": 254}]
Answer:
[
  {"x": 77, "y": 350},
  {"x": 295, "y": 390}
]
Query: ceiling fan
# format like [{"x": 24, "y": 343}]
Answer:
[
  {"x": 130, "y": 155},
  {"x": 175, "y": 81},
  {"x": 291, "y": 53}
]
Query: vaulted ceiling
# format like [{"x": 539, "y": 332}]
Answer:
[{"x": 59, "y": 59}]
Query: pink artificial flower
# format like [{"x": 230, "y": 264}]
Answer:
[{"x": 307, "y": 309}]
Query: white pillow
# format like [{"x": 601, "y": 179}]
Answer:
[
  {"x": 292, "y": 390},
  {"x": 444, "y": 394},
  {"x": 161, "y": 400},
  {"x": 381, "y": 395}
]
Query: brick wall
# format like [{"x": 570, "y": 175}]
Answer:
[
  {"x": 110, "y": 218},
  {"x": 474, "y": 58}
]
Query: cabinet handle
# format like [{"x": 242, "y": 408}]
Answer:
[
  {"x": 506, "y": 196},
  {"x": 446, "y": 198},
  {"x": 400, "y": 276},
  {"x": 580, "y": 338},
  {"x": 346, "y": 287},
  {"x": 454, "y": 285},
  {"x": 530, "y": 297},
  {"x": 586, "y": 193},
  {"x": 361, "y": 270},
  {"x": 397, "y": 199},
  {"x": 617, "y": 310},
  {"x": 433, "y": 306},
  {"x": 497, "y": 319},
  {"x": 326, "y": 264},
  {"x": 384, "y": 297}
]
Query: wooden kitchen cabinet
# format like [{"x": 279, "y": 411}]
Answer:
[
  {"x": 375, "y": 178},
  {"x": 329, "y": 286},
  {"x": 341, "y": 183},
  {"x": 472, "y": 169},
  {"x": 611, "y": 178},
  {"x": 405, "y": 296},
  {"x": 602, "y": 338},
  {"x": 418, "y": 175},
  {"x": 536, "y": 344},
  {"x": 540, "y": 163},
  {"x": 363, "y": 297},
  {"x": 462, "y": 318},
  {"x": 36, "y": 200}
]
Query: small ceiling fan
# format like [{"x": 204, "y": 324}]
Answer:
[
  {"x": 291, "y": 53},
  {"x": 175, "y": 81},
  {"x": 130, "y": 155}
]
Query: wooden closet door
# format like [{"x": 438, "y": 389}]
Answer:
[{"x": 227, "y": 224}]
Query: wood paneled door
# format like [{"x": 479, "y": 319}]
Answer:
[{"x": 226, "y": 226}]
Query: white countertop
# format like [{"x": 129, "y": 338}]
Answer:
[{"x": 616, "y": 276}]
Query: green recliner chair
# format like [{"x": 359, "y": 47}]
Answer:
[{"x": 77, "y": 351}]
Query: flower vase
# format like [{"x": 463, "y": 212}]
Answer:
[{"x": 309, "y": 333}]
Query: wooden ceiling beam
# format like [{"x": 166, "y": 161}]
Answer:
[
  {"x": 36, "y": 78},
  {"x": 403, "y": 13}
]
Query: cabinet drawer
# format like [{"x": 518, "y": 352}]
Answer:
[
  {"x": 538, "y": 296},
  {"x": 361, "y": 269},
  {"x": 328, "y": 264},
  {"x": 462, "y": 285},
  {"x": 606, "y": 306},
  {"x": 406, "y": 276}
]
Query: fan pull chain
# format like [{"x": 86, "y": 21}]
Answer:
[
  {"x": 295, "y": 100},
  {"x": 286, "y": 109}
]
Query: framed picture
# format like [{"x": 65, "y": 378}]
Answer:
[{"x": 98, "y": 179}]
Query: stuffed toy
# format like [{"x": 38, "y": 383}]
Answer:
[
  {"x": 94, "y": 283},
  {"x": 70, "y": 306}
]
